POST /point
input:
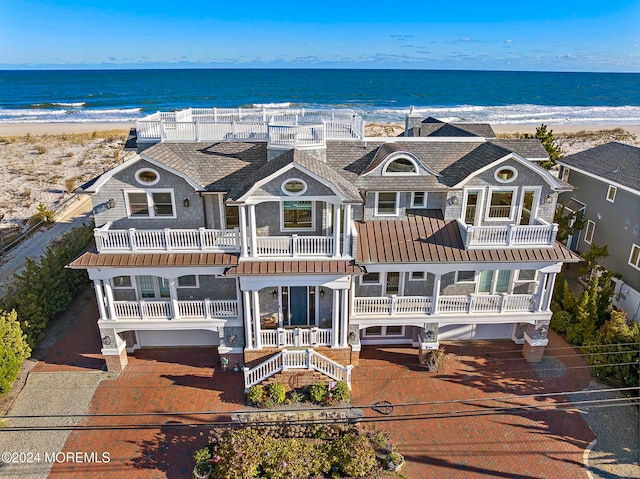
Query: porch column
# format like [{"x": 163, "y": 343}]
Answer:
[
  {"x": 541, "y": 290},
  {"x": 108, "y": 291},
  {"x": 334, "y": 319},
  {"x": 551, "y": 281},
  {"x": 256, "y": 319},
  {"x": 242, "y": 215},
  {"x": 246, "y": 308},
  {"x": 346, "y": 244},
  {"x": 100, "y": 297},
  {"x": 173, "y": 292},
  {"x": 252, "y": 230},
  {"x": 336, "y": 230},
  {"x": 436, "y": 293},
  {"x": 344, "y": 317}
]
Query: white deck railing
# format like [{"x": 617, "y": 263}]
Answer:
[
  {"x": 305, "y": 127},
  {"x": 296, "y": 359},
  {"x": 295, "y": 337},
  {"x": 135, "y": 240},
  {"x": 543, "y": 234},
  {"x": 473, "y": 303},
  {"x": 153, "y": 309},
  {"x": 294, "y": 245}
]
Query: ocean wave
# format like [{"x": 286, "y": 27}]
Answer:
[
  {"x": 272, "y": 105},
  {"x": 58, "y": 104},
  {"x": 511, "y": 114},
  {"x": 69, "y": 115}
]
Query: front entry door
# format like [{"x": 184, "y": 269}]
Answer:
[{"x": 298, "y": 305}]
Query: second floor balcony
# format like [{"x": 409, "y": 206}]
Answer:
[
  {"x": 542, "y": 234},
  {"x": 166, "y": 240}
]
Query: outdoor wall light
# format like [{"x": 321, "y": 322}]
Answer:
[
  {"x": 430, "y": 334},
  {"x": 232, "y": 338},
  {"x": 543, "y": 331},
  {"x": 275, "y": 294},
  {"x": 111, "y": 203},
  {"x": 322, "y": 292},
  {"x": 549, "y": 199},
  {"x": 185, "y": 202},
  {"x": 106, "y": 340},
  {"x": 454, "y": 200}
]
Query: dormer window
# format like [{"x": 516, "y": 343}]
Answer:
[{"x": 401, "y": 166}]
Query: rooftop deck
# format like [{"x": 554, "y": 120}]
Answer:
[{"x": 286, "y": 127}]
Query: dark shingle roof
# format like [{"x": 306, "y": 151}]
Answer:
[
  {"x": 483, "y": 155},
  {"x": 315, "y": 166},
  {"x": 614, "y": 161},
  {"x": 432, "y": 127}
]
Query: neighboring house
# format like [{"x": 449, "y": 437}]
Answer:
[
  {"x": 266, "y": 231},
  {"x": 607, "y": 191}
]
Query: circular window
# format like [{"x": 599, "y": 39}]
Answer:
[
  {"x": 506, "y": 174},
  {"x": 294, "y": 186},
  {"x": 147, "y": 176}
]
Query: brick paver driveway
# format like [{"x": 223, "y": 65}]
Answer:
[
  {"x": 150, "y": 429},
  {"x": 447, "y": 438}
]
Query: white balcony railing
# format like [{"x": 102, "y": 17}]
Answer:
[
  {"x": 496, "y": 303},
  {"x": 154, "y": 309},
  {"x": 280, "y": 126},
  {"x": 176, "y": 240},
  {"x": 296, "y": 337},
  {"x": 539, "y": 235},
  {"x": 294, "y": 245},
  {"x": 297, "y": 359}
]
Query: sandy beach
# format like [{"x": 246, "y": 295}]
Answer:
[{"x": 43, "y": 162}]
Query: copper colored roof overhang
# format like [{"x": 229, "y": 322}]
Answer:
[
  {"x": 91, "y": 259},
  {"x": 253, "y": 268},
  {"x": 428, "y": 239}
]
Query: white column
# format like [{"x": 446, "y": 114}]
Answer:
[
  {"x": 344, "y": 317},
  {"x": 436, "y": 293},
  {"x": 541, "y": 290},
  {"x": 242, "y": 216},
  {"x": 252, "y": 230},
  {"x": 100, "y": 297},
  {"x": 336, "y": 231},
  {"x": 108, "y": 291},
  {"x": 256, "y": 319},
  {"x": 334, "y": 319},
  {"x": 246, "y": 307},
  {"x": 173, "y": 292},
  {"x": 550, "y": 283},
  {"x": 346, "y": 250}
]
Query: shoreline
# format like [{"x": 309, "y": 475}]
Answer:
[{"x": 20, "y": 129}]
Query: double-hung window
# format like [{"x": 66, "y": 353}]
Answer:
[
  {"x": 386, "y": 203},
  {"x": 151, "y": 204},
  {"x": 419, "y": 199},
  {"x": 588, "y": 234},
  {"x": 501, "y": 204},
  {"x": 634, "y": 257},
  {"x": 297, "y": 215}
]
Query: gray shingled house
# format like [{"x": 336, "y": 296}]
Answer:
[
  {"x": 607, "y": 190},
  {"x": 288, "y": 239}
]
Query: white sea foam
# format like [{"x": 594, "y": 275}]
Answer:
[
  {"x": 68, "y": 115},
  {"x": 514, "y": 114}
]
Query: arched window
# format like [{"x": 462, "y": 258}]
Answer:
[{"x": 401, "y": 166}]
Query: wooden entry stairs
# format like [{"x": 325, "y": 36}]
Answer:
[{"x": 291, "y": 362}]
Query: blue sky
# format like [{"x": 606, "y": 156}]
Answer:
[{"x": 571, "y": 35}]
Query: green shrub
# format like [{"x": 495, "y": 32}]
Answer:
[
  {"x": 296, "y": 397},
  {"x": 354, "y": 455},
  {"x": 341, "y": 392},
  {"x": 561, "y": 321},
  {"x": 318, "y": 392},
  {"x": 201, "y": 455},
  {"x": 277, "y": 393},
  {"x": 574, "y": 334},
  {"x": 46, "y": 288},
  {"x": 13, "y": 350},
  {"x": 256, "y": 395}
]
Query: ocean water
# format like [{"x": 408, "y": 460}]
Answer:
[{"x": 378, "y": 95}]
